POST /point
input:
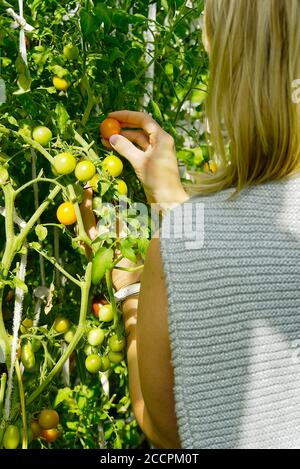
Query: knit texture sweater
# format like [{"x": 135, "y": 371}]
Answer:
[{"x": 232, "y": 274}]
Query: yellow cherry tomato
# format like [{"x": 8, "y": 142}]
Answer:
[
  {"x": 66, "y": 214},
  {"x": 113, "y": 165},
  {"x": 60, "y": 84},
  {"x": 122, "y": 187},
  {"x": 93, "y": 183}
]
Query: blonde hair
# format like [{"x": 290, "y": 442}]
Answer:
[{"x": 254, "y": 50}]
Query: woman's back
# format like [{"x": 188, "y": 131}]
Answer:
[{"x": 234, "y": 318}]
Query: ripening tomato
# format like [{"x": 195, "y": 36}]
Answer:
[
  {"x": 96, "y": 337},
  {"x": 48, "y": 418},
  {"x": 42, "y": 135},
  {"x": 60, "y": 84},
  {"x": 11, "y": 437},
  {"x": 85, "y": 170},
  {"x": 106, "y": 313},
  {"x": 93, "y": 363},
  {"x": 64, "y": 163},
  {"x": 116, "y": 344},
  {"x": 109, "y": 127},
  {"x": 115, "y": 357},
  {"x": 71, "y": 52},
  {"x": 97, "y": 303},
  {"x": 66, "y": 214},
  {"x": 61, "y": 325},
  {"x": 113, "y": 165},
  {"x": 50, "y": 434},
  {"x": 122, "y": 187},
  {"x": 35, "y": 428}
]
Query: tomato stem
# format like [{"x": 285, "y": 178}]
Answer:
[
  {"x": 36, "y": 146},
  {"x": 53, "y": 261},
  {"x": 39, "y": 179},
  {"x": 82, "y": 233},
  {"x": 2, "y": 392}
]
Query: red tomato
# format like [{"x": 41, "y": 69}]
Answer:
[
  {"x": 109, "y": 127},
  {"x": 50, "y": 434},
  {"x": 97, "y": 304}
]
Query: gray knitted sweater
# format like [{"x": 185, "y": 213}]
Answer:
[{"x": 233, "y": 284}]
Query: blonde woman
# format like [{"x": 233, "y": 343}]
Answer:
[{"x": 213, "y": 335}]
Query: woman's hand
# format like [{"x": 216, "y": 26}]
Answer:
[{"x": 153, "y": 159}]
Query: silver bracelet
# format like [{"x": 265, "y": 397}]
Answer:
[{"x": 125, "y": 292}]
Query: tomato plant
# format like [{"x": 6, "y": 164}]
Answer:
[{"x": 57, "y": 309}]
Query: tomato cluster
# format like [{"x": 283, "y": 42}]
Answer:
[{"x": 103, "y": 347}]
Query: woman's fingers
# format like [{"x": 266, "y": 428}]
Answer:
[
  {"x": 139, "y": 120},
  {"x": 125, "y": 148},
  {"x": 137, "y": 136}
]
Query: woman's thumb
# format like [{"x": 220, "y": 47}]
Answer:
[{"x": 125, "y": 148}]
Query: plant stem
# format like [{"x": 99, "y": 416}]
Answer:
[
  {"x": 2, "y": 392},
  {"x": 85, "y": 289},
  {"x": 38, "y": 179},
  {"x": 91, "y": 154},
  {"x": 118, "y": 326},
  {"x": 8, "y": 255},
  {"x": 36, "y": 146},
  {"x": 29, "y": 225},
  {"x": 91, "y": 99},
  {"x": 22, "y": 402},
  {"x": 53, "y": 261},
  {"x": 81, "y": 229}
]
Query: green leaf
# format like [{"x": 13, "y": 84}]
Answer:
[
  {"x": 101, "y": 263},
  {"x": 41, "y": 232},
  {"x": 62, "y": 395},
  {"x": 62, "y": 117},
  {"x": 102, "y": 13},
  {"x": 156, "y": 112},
  {"x": 127, "y": 251}
]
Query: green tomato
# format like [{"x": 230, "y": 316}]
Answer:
[
  {"x": 105, "y": 364},
  {"x": 61, "y": 325},
  {"x": 11, "y": 437},
  {"x": 64, "y": 163},
  {"x": 116, "y": 344},
  {"x": 113, "y": 165},
  {"x": 115, "y": 357},
  {"x": 71, "y": 52},
  {"x": 69, "y": 335},
  {"x": 122, "y": 187},
  {"x": 88, "y": 350},
  {"x": 93, "y": 363},
  {"x": 85, "y": 170},
  {"x": 36, "y": 345},
  {"x": 42, "y": 135},
  {"x": 106, "y": 313},
  {"x": 97, "y": 203},
  {"x": 96, "y": 337},
  {"x": 27, "y": 356}
]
